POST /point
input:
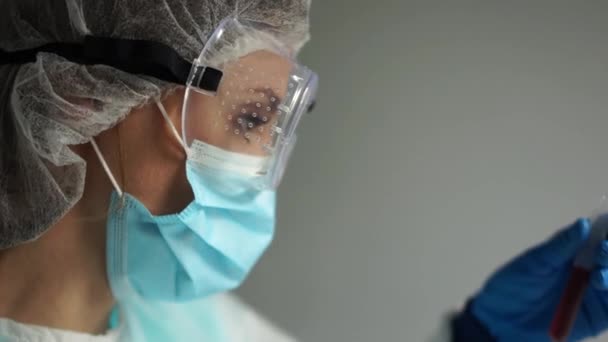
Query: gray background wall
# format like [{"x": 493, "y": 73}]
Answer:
[{"x": 449, "y": 136}]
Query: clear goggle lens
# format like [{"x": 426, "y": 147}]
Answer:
[{"x": 248, "y": 125}]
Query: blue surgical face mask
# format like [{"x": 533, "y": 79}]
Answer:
[{"x": 208, "y": 247}]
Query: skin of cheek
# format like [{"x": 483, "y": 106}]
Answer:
[{"x": 153, "y": 161}]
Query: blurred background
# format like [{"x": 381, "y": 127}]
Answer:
[{"x": 448, "y": 137}]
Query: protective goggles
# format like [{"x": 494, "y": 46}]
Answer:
[
  {"x": 244, "y": 95},
  {"x": 247, "y": 123}
]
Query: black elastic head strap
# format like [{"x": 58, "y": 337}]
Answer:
[{"x": 133, "y": 56}]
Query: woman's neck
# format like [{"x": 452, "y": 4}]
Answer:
[{"x": 58, "y": 280}]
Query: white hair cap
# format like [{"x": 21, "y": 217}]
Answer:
[{"x": 52, "y": 103}]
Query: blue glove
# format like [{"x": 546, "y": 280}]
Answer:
[{"x": 518, "y": 302}]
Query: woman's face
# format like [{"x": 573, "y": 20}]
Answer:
[{"x": 149, "y": 161}]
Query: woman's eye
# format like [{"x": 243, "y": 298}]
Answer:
[{"x": 249, "y": 121}]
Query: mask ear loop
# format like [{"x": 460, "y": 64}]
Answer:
[
  {"x": 104, "y": 164},
  {"x": 163, "y": 111},
  {"x": 106, "y": 168}
]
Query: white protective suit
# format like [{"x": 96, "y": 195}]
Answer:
[{"x": 222, "y": 318}]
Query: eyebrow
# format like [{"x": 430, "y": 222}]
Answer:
[{"x": 269, "y": 93}]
